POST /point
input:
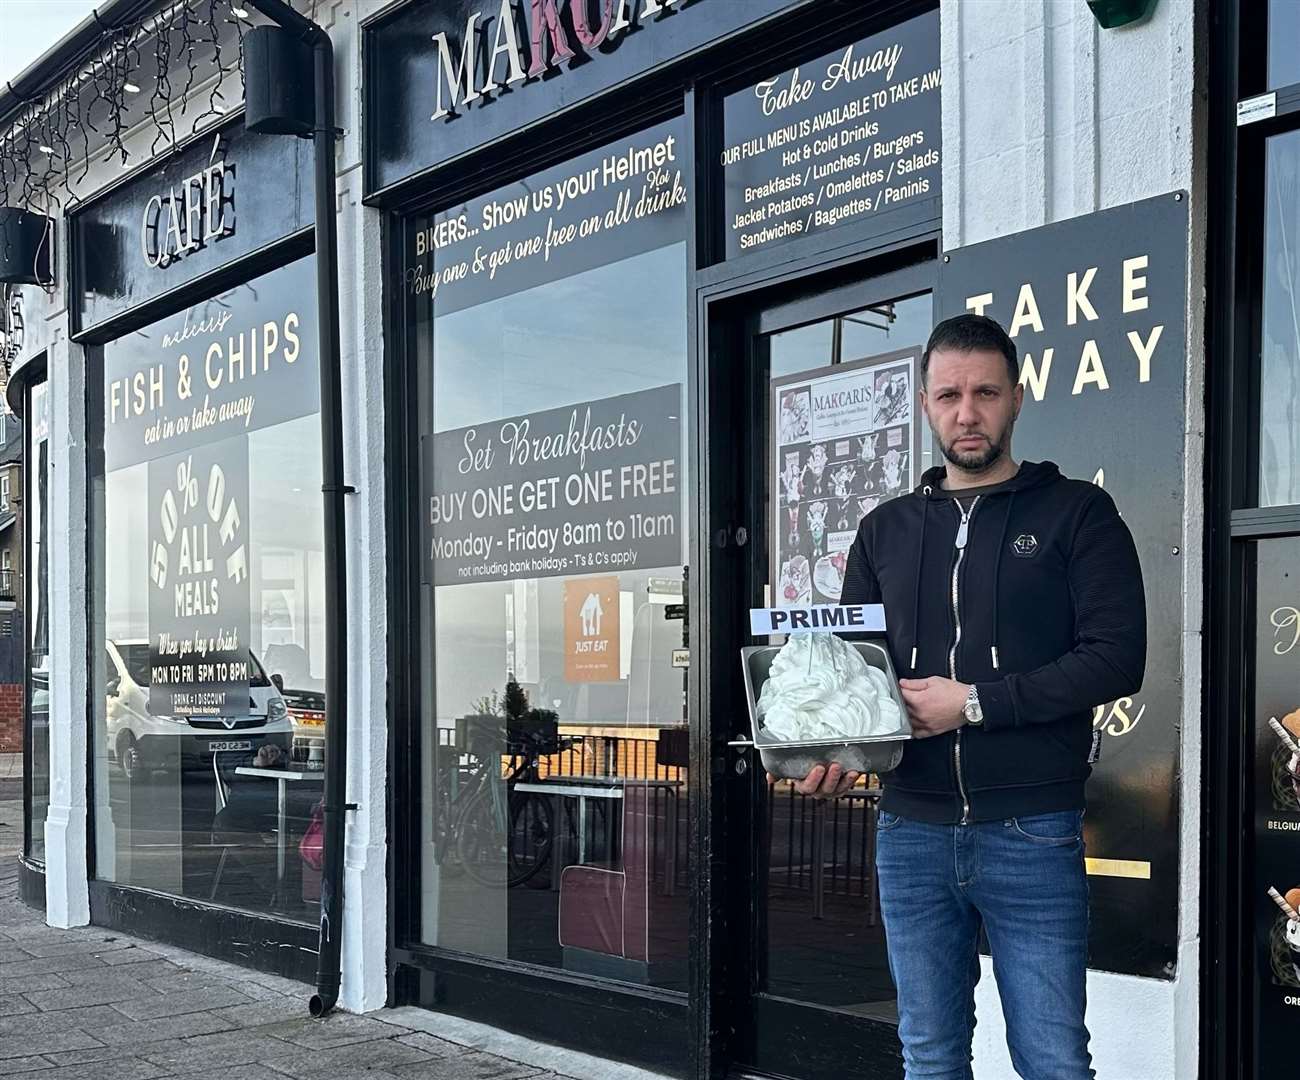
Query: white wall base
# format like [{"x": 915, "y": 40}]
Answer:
[
  {"x": 67, "y": 900},
  {"x": 1123, "y": 1046}
]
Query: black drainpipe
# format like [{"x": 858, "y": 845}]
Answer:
[{"x": 336, "y": 608}]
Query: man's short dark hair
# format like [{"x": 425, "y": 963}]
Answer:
[{"x": 966, "y": 333}]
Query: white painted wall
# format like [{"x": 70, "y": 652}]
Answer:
[
  {"x": 365, "y": 911},
  {"x": 1047, "y": 117},
  {"x": 67, "y": 902}
]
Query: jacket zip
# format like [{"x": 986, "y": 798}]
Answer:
[{"x": 963, "y": 535}]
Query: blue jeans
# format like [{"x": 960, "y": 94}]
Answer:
[{"x": 1024, "y": 880}]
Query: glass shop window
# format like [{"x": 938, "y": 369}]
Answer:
[
  {"x": 208, "y": 736},
  {"x": 548, "y": 326}
]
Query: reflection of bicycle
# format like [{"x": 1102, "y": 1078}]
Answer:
[{"x": 500, "y": 836}]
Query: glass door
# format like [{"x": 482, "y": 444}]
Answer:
[{"x": 830, "y": 379}]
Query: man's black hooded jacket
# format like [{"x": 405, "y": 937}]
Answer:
[{"x": 1043, "y": 611}]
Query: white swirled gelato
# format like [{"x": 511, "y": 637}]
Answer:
[{"x": 820, "y": 687}]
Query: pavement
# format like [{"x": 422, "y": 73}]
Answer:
[{"x": 94, "y": 1004}]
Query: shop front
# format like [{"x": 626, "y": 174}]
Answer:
[
  {"x": 657, "y": 295},
  {"x": 633, "y": 301},
  {"x": 196, "y": 307}
]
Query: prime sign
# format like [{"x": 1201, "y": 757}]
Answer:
[
  {"x": 547, "y": 29},
  {"x": 181, "y": 222}
]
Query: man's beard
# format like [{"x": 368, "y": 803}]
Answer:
[{"x": 974, "y": 461}]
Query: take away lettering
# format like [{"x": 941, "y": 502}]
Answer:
[{"x": 1090, "y": 371}]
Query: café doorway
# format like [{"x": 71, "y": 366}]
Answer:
[{"x": 822, "y": 383}]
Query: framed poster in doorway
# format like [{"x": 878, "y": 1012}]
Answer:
[{"x": 844, "y": 439}]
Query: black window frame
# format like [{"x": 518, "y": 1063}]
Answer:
[
  {"x": 1234, "y": 523},
  {"x": 263, "y": 942}
]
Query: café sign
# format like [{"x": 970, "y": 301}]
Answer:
[
  {"x": 175, "y": 222},
  {"x": 188, "y": 219}
]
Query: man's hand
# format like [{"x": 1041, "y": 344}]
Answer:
[
  {"x": 824, "y": 782},
  {"x": 934, "y": 704}
]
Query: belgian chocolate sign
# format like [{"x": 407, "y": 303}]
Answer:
[
  {"x": 1097, "y": 308},
  {"x": 214, "y": 200},
  {"x": 1274, "y": 898},
  {"x": 450, "y": 76},
  {"x": 592, "y": 487},
  {"x": 837, "y": 140}
]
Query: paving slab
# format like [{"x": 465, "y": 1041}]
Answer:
[
  {"x": 205, "y": 1051},
  {"x": 132, "y": 954},
  {"x": 14, "y": 1005},
  {"x": 19, "y": 1066},
  {"x": 472, "y": 1066},
  {"x": 158, "y": 1005},
  {"x": 433, "y": 1046},
  {"x": 48, "y": 965},
  {"x": 83, "y": 1019},
  {"x": 132, "y": 1034},
  {"x": 317, "y": 1064},
  {"x": 258, "y": 1014},
  {"x": 20, "y": 984},
  {"x": 328, "y": 1034},
  {"x": 256, "y": 1072},
  {"x": 43, "y": 1042},
  {"x": 91, "y": 1004},
  {"x": 124, "y": 991},
  {"x": 118, "y": 1069}
]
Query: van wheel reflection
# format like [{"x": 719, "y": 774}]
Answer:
[
  {"x": 493, "y": 854},
  {"x": 128, "y": 757}
]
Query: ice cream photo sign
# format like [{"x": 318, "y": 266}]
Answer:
[{"x": 819, "y": 618}]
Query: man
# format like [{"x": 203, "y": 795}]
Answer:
[{"x": 1014, "y": 605}]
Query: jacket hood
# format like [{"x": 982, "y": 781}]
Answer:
[{"x": 1032, "y": 474}]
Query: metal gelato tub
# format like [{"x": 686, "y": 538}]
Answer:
[{"x": 794, "y": 759}]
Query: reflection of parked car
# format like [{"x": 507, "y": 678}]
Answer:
[
  {"x": 307, "y": 717},
  {"x": 291, "y": 673},
  {"x": 138, "y": 740}
]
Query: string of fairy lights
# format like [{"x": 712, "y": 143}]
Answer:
[{"x": 50, "y": 144}]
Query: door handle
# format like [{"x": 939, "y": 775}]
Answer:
[
  {"x": 738, "y": 535},
  {"x": 742, "y": 747}
]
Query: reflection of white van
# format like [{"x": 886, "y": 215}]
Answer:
[{"x": 138, "y": 740}]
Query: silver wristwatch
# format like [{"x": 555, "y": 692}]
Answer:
[{"x": 971, "y": 710}]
